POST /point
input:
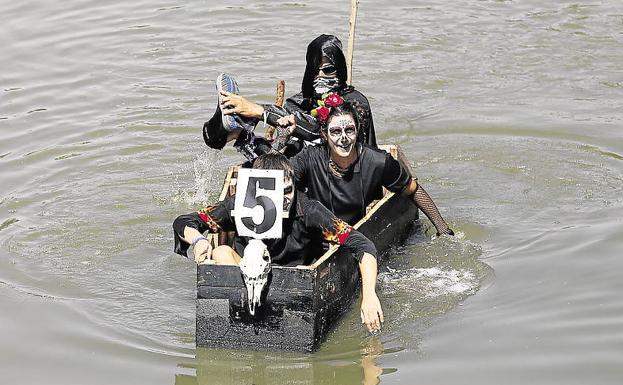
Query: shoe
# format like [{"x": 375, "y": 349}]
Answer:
[{"x": 227, "y": 83}]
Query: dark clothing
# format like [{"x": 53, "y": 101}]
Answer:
[
  {"x": 302, "y": 238},
  {"x": 348, "y": 196},
  {"x": 308, "y": 128},
  {"x": 300, "y": 105},
  {"x": 330, "y": 48}
]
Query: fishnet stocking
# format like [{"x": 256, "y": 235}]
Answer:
[{"x": 424, "y": 202}]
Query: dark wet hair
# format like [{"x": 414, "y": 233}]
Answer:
[
  {"x": 345, "y": 108},
  {"x": 327, "y": 46},
  {"x": 272, "y": 161}
]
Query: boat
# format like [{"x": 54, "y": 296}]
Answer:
[{"x": 301, "y": 304}]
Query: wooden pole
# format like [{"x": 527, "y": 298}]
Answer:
[
  {"x": 279, "y": 98},
  {"x": 281, "y": 92},
  {"x": 354, "y": 5}
]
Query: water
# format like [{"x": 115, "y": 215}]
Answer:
[{"x": 510, "y": 113}]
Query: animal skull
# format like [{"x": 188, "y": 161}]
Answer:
[{"x": 255, "y": 269}]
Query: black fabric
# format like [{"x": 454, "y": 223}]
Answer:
[
  {"x": 308, "y": 128},
  {"x": 358, "y": 244},
  {"x": 214, "y": 134},
  {"x": 349, "y": 195},
  {"x": 327, "y": 46},
  {"x": 301, "y": 104},
  {"x": 251, "y": 146},
  {"x": 303, "y": 234}
]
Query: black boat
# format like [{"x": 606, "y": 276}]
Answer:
[{"x": 300, "y": 304}]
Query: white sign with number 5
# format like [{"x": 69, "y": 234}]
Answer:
[{"x": 258, "y": 205}]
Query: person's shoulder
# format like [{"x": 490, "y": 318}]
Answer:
[
  {"x": 373, "y": 157},
  {"x": 312, "y": 152},
  {"x": 296, "y": 99},
  {"x": 351, "y": 92},
  {"x": 374, "y": 152}
]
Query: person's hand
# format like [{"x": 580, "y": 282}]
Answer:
[
  {"x": 239, "y": 105},
  {"x": 202, "y": 251},
  {"x": 281, "y": 135},
  {"x": 371, "y": 312},
  {"x": 447, "y": 232},
  {"x": 287, "y": 122}
]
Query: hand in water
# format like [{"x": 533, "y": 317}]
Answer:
[{"x": 371, "y": 312}]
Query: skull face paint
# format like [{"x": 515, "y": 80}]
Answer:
[
  {"x": 288, "y": 194},
  {"x": 326, "y": 80},
  {"x": 255, "y": 267},
  {"x": 341, "y": 135},
  {"x": 322, "y": 85}
]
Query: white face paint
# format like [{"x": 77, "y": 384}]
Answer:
[
  {"x": 255, "y": 266},
  {"x": 341, "y": 135},
  {"x": 288, "y": 194}
]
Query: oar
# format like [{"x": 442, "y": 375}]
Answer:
[{"x": 354, "y": 5}]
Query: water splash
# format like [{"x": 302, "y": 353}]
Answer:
[
  {"x": 431, "y": 282},
  {"x": 207, "y": 171}
]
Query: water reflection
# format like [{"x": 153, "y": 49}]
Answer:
[{"x": 350, "y": 364}]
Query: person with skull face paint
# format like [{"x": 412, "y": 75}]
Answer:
[
  {"x": 325, "y": 72},
  {"x": 305, "y": 229},
  {"x": 346, "y": 176}
]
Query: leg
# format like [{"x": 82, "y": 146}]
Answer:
[{"x": 225, "y": 255}]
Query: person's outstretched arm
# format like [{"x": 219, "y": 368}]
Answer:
[
  {"x": 424, "y": 202},
  {"x": 188, "y": 229},
  {"x": 398, "y": 179},
  {"x": 371, "y": 311},
  {"x": 363, "y": 250}
]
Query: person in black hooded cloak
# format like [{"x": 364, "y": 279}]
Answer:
[{"x": 325, "y": 72}]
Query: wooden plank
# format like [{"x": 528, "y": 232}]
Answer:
[
  {"x": 279, "y": 99},
  {"x": 281, "y": 93},
  {"x": 336, "y": 288},
  {"x": 226, "y": 184},
  {"x": 229, "y": 276},
  {"x": 293, "y": 299}
]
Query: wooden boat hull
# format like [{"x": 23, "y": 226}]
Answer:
[{"x": 301, "y": 303}]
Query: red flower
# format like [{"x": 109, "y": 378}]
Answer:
[
  {"x": 323, "y": 113},
  {"x": 333, "y": 100}
]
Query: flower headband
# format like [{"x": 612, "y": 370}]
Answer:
[{"x": 324, "y": 106}]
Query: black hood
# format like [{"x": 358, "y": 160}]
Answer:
[{"x": 327, "y": 46}]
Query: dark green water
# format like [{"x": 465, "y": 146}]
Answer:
[{"x": 510, "y": 112}]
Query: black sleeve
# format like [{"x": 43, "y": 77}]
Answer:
[
  {"x": 336, "y": 230},
  {"x": 395, "y": 177},
  {"x": 214, "y": 134},
  {"x": 300, "y": 165},
  {"x": 307, "y": 127},
  {"x": 358, "y": 244},
  {"x": 191, "y": 220},
  {"x": 210, "y": 219}
]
